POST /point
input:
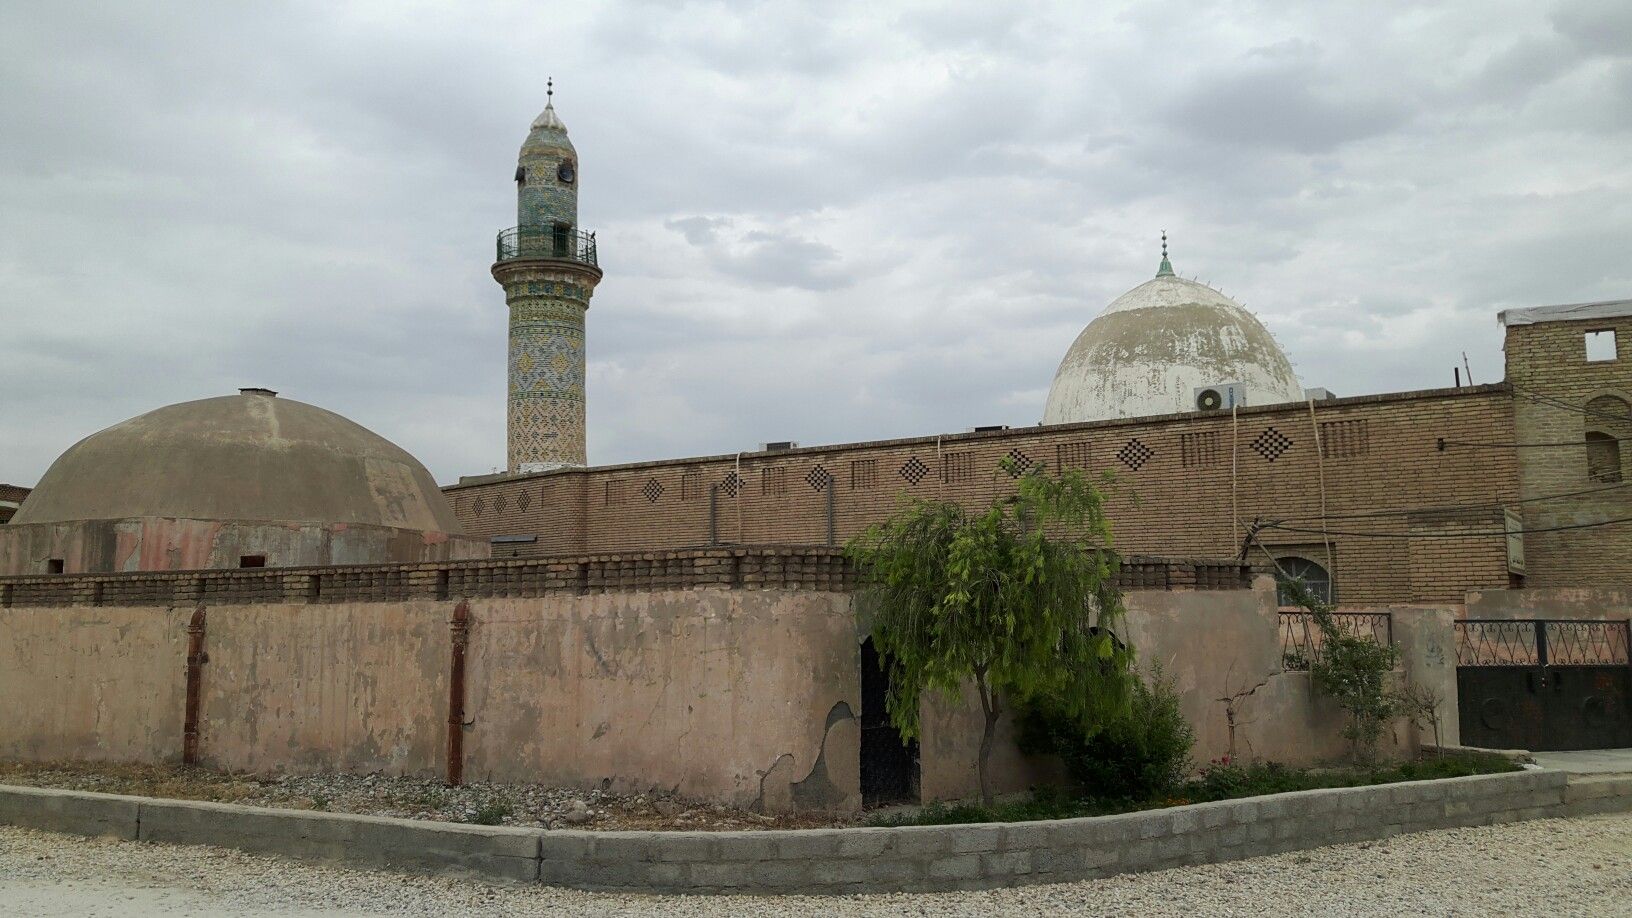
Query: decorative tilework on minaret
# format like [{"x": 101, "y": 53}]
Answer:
[{"x": 548, "y": 268}]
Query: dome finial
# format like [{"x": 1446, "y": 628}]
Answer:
[
  {"x": 1166, "y": 268},
  {"x": 549, "y": 90}
]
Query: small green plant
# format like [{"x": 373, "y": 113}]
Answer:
[
  {"x": 1353, "y": 671},
  {"x": 491, "y": 813},
  {"x": 1142, "y": 755},
  {"x": 320, "y": 802}
]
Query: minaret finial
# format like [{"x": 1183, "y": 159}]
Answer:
[
  {"x": 549, "y": 90},
  {"x": 1166, "y": 268}
]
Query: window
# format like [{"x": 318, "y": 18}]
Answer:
[
  {"x": 1601, "y": 346},
  {"x": 53, "y": 566},
  {"x": 1603, "y": 457},
  {"x": 562, "y": 240},
  {"x": 252, "y": 560},
  {"x": 1315, "y": 578},
  {"x": 1608, "y": 422}
]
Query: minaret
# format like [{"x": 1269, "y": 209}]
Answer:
[{"x": 547, "y": 266}]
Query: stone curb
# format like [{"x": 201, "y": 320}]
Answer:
[{"x": 834, "y": 861}]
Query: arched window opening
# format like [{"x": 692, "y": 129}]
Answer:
[
  {"x": 1603, "y": 457},
  {"x": 1608, "y": 422},
  {"x": 1314, "y": 577}
]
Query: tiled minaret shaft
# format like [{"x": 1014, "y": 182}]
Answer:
[{"x": 548, "y": 268}]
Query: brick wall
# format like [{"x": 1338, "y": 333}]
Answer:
[
  {"x": 1553, "y": 386},
  {"x": 795, "y": 567},
  {"x": 1172, "y": 494}
]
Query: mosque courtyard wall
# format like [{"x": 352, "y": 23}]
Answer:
[{"x": 724, "y": 675}]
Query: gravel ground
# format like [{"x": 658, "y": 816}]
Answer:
[
  {"x": 532, "y": 805},
  {"x": 1563, "y": 867}
]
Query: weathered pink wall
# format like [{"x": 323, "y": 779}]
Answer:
[
  {"x": 742, "y": 696},
  {"x": 101, "y": 684},
  {"x": 1211, "y": 644},
  {"x": 1594, "y": 603},
  {"x": 721, "y": 694},
  {"x": 355, "y": 687}
]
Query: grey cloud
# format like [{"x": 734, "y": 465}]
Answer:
[{"x": 848, "y": 222}]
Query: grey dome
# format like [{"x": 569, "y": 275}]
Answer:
[{"x": 240, "y": 457}]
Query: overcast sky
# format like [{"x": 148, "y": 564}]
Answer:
[{"x": 818, "y": 222}]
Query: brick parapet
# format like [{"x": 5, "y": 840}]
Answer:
[{"x": 789, "y": 567}]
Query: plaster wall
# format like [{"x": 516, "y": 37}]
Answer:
[
  {"x": 98, "y": 684},
  {"x": 1211, "y": 644},
  {"x": 158, "y": 544},
  {"x": 748, "y": 697},
  {"x": 1593, "y": 603},
  {"x": 354, "y": 687}
]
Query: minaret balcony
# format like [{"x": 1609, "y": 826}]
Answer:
[{"x": 553, "y": 242}]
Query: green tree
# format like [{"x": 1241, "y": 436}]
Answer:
[{"x": 1018, "y": 600}]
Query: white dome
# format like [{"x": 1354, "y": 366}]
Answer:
[{"x": 1155, "y": 345}]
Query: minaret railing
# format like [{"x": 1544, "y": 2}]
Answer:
[{"x": 547, "y": 242}]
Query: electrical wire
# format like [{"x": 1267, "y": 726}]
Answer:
[
  {"x": 1446, "y": 535},
  {"x": 1453, "y": 508}
]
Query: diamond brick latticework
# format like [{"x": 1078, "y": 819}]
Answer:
[
  {"x": 1135, "y": 454},
  {"x": 914, "y": 470},
  {"x": 523, "y": 500},
  {"x": 653, "y": 489},
  {"x": 1019, "y": 462},
  {"x": 819, "y": 479},
  {"x": 1271, "y": 444},
  {"x": 732, "y": 484}
]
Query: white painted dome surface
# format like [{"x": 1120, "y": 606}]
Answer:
[{"x": 1149, "y": 351}]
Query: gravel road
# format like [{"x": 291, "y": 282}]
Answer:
[{"x": 1559, "y": 867}]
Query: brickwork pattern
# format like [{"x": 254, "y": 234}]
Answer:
[
  {"x": 1553, "y": 384},
  {"x": 758, "y": 568},
  {"x": 1184, "y": 485}
]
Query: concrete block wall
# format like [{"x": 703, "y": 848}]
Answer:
[{"x": 837, "y": 861}]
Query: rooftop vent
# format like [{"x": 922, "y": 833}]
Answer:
[
  {"x": 780, "y": 446},
  {"x": 257, "y": 390},
  {"x": 988, "y": 428}
]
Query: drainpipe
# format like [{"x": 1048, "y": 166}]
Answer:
[
  {"x": 460, "y": 628},
  {"x": 196, "y": 658}
]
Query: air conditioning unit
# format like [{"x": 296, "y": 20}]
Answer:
[
  {"x": 1220, "y": 397},
  {"x": 778, "y": 446}
]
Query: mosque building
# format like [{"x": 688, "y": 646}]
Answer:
[
  {"x": 689, "y": 625},
  {"x": 1178, "y": 390},
  {"x": 1217, "y": 450}
]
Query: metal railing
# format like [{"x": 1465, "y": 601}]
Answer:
[
  {"x": 547, "y": 242},
  {"x": 1301, "y": 637},
  {"x": 1543, "y": 642}
]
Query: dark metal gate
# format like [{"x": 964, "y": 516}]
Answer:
[
  {"x": 889, "y": 765},
  {"x": 1544, "y": 684}
]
